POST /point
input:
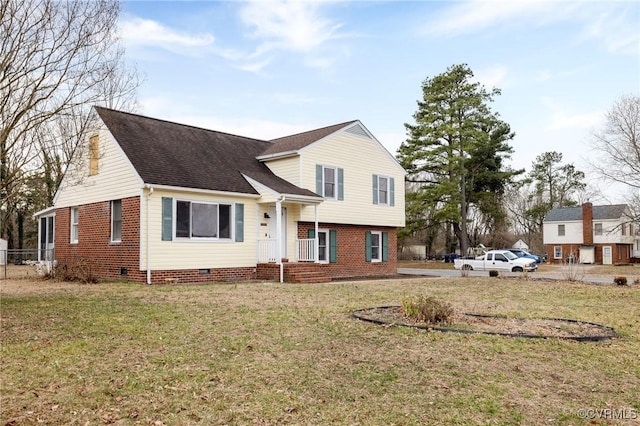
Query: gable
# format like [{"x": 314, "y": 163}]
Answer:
[{"x": 98, "y": 171}]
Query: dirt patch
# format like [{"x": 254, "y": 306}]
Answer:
[{"x": 494, "y": 324}]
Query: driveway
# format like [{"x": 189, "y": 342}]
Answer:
[{"x": 554, "y": 275}]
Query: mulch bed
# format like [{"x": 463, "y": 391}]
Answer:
[{"x": 495, "y": 325}]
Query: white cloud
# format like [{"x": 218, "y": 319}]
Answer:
[
  {"x": 492, "y": 77},
  {"x": 289, "y": 25},
  {"x": 617, "y": 29},
  {"x": 299, "y": 27},
  {"x": 478, "y": 15},
  {"x": 563, "y": 118},
  {"x": 613, "y": 24},
  {"x": 145, "y": 32}
]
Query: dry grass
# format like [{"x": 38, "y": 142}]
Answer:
[{"x": 265, "y": 353}]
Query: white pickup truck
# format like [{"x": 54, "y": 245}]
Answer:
[{"x": 499, "y": 260}]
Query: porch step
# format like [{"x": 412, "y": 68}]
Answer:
[
  {"x": 294, "y": 272},
  {"x": 305, "y": 276}
]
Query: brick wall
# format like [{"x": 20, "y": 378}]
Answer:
[
  {"x": 120, "y": 260},
  {"x": 351, "y": 261},
  {"x": 620, "y": 253},
  {"x": 587, "y": 223},
  {"x": 94, "y": 246}
]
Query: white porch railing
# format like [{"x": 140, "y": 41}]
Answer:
[
  {"x": 267, "y": 250},
  {"x": 306, "y": 249}
]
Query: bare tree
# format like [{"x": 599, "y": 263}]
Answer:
[
  {"x": 618, "y": 143},
  {"x": 57, "y": 58},
  {"x": 617, "y": 146}
]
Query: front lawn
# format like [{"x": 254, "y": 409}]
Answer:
[{"x": 268, "y": 353}]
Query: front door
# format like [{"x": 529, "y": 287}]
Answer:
[
  {"x": 272, "y": 226},
  {"x": 607, "y": 258}
]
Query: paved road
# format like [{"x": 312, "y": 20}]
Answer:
[{"x": 456, "y": 273}]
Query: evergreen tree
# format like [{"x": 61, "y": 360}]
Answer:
[{"x": 455, "y": 151}]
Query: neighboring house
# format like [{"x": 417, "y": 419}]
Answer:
[
  {"x": 591, "y": 234},
  {"x": 521, "y": 245},
  {"x": 154, "y": 201}
]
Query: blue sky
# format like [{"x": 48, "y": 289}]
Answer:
[{"x": 271, "y": 68}]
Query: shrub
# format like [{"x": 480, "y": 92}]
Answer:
[
  {"x": 620, "y": 280},
  {"x": 493, "y": 273},
  {"x": 76, "y": 269},
  {"x": 427, "y": 309}
]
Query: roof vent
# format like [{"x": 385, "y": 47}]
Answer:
[{"x": 358, "y": 130}]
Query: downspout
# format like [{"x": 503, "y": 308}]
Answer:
[{"x": 148, "y": 248}]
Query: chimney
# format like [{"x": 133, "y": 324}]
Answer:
[{"x": 587, "y": 223}]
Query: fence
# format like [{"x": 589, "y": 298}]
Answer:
[{"x": 21, "y": 257}]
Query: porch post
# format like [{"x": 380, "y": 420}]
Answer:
[
  {"x": 279, "y": 236},
  {"x": 316, "y": 243}
]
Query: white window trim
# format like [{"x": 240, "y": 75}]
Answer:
[
  {"x": 564, "y": 230},
  {"x": 335, "y": 182},
  {"x": 231, "y": 205},
  {"x": 119, "y": 240},
  {"x": 73, "y": 239},
  {"x": 598, "y": 230},
  {"x": 555, "y": 252},
  {"x": 327, "y": 245},
  {"x": 388, "y": 180},
  {"x": 379, "y": 259}
]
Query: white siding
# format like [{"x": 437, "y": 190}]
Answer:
[
  {"x": 360, "y": 158},
  {"x": 193, "y": 254},
  {"x": 116, "y": 177},
  {"x": 572, "y": 233}
]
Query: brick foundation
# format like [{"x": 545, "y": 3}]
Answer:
[
  {"x": 620, "y": 253},
  {"x": 120, "y": 260}
]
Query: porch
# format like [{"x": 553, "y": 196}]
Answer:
[
  {"x": 293, "y": 272},
  {"x": 303, "y": 268}
]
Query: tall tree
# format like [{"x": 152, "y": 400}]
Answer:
[
  {"x": 554, "y": 185},
  {"x": 455, "y": 150},
  {"x": 57, "y": 58},
  {"x": 617, "y": 146}
]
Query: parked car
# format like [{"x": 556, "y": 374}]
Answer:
[
  {"x": 524, "y": 253},
  {"x": 499, "y": 260}
]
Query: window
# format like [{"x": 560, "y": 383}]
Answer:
[
  {"x": 383, "y": 190},
  {"x": 500, "y": 257},
  {"x": 94, "y": 154},
  {"x": 203, "y": 220},
  {"x": 557, "y": 252},
  {"x": 74, "y": 225},
  {"x": 330, "y": 182},
  {"x": 327, "y": 244},
  {"x": 624, "y": 228},
  {"x": 597, "y": 229},
  {"x": 376, "y": 251},
  {"x": 116, "y": 220},
  {"x": 561, "y": 230},
  {"x": 322, "y": 246},
  {"x": 376, "y": 246}
]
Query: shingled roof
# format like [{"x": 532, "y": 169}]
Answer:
[
  {"x": 566, "y": 214},
  {"x": 172, "y": 154},
  {"x": 300, "y": 140}
]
